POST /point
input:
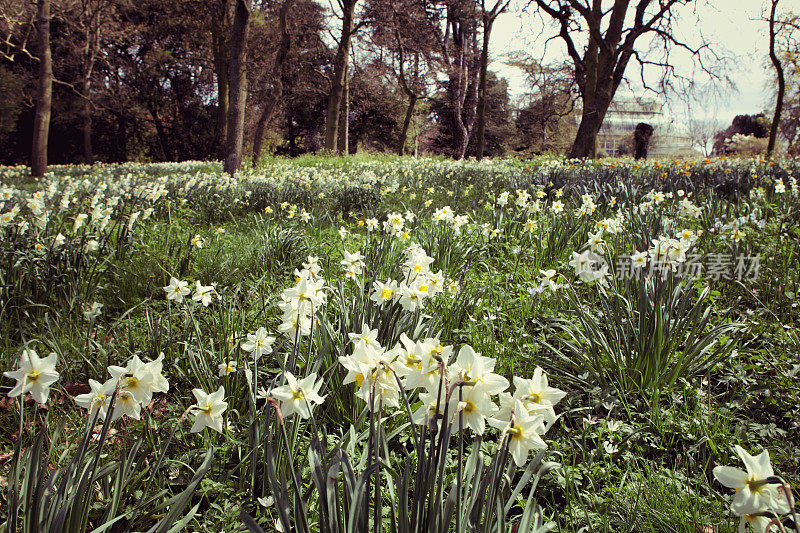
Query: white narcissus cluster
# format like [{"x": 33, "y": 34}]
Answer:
[
  {"x": 394, "y": 224},
  {"x": 312, "y": 265},
  {"x": 462, "y": 389},
  {"x": 522, "y": 199},
  {"x": 177, "y": 290},
  {"x": 589, "y": 266},
  {"x": 687, "y": 209},
  {"x": 612, "y": 225},
  {"x": 419, "y": 283},
  {"x": 137, "y": 382},
  {"x": 446, "y": 215},
  {"x": 300, "y": 303},
  {"x": 352, "y": 264},
  {"x": 671, "y": 251}
]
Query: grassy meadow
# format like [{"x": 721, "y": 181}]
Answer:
[{"x": 401, "y": 345}]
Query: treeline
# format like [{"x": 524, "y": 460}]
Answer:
[
  {"x": 116, "y": 80},
  {"x": 150, "y": 80}
]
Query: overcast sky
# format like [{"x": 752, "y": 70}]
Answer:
[{"x": 733, "y": 25}]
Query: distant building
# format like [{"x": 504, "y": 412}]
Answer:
[{"x": 670, "y": 139}]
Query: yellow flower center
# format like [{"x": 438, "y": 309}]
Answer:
[
  {"x": 33, "y": 375},
  {"x": 386, "y": 293},
  {"x": 412, "y": 362}
]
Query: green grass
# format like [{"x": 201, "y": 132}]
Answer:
[{"x": 662, "y": 379}]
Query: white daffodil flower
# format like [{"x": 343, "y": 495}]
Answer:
[
  {"x": 160, "y": 383},
  {"x": 126, "y": 404},
  {"x": 384, "y": 292},
  {"x": 472, "y": 366},
  {"x": 90, "y": 312},
  {"x": 208, "y": 410},
  {"x": 98, "y": 398},
  {"x": 367, "y": 336},
  {"x": 524, "y": 431},
  {"x": 226, "y": 368},
  {"x": 537, "y": 396},
  {"x": 475, "y": 406},
  {"x": 203, "y": 293},
  {"x": 258, "y": 343},
  {"x": 298, "y": 396},
  {"x": 135, "y": 378},
  {"x": 34, "y": 375},
  {"x": 753, "y": 493},
  {"x": 177, "y": 289}
]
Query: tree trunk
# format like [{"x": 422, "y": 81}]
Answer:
[
  {"x": 487, "y": 31},
  {"x": 412, "y": 96},
  {"x": 776, "y": 118},
  {"x": 44, "y": 91},
  {"x": 161, "y": 133},
  {"x": 353, "y": 140},
  {"x": 456, "y": 92},
  {"x": 585, "y": 144},
  {"x": 86, "y": 112},
  {"x": 277, "y": 74},
  {"x": 238, "y": 86},
  {"x": 219, "y": 47},
  {"x": 343, "y": 137},
  {"x": 338, "y": 78},
  {"x": 470, "y": 109},
  {"x": 460, "y": 133},
  {"x": 462, "y": 86},
  {"x": 488, "y": 21},
  {"x": 597, "y": 93},
  {"x": 412, "y": 102},
  {"x": 292, "y": 132},
  {"x": 221, "y": 132},
  {"x": 121, "y": 136},
  {"x": 261, "y": 126}
]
